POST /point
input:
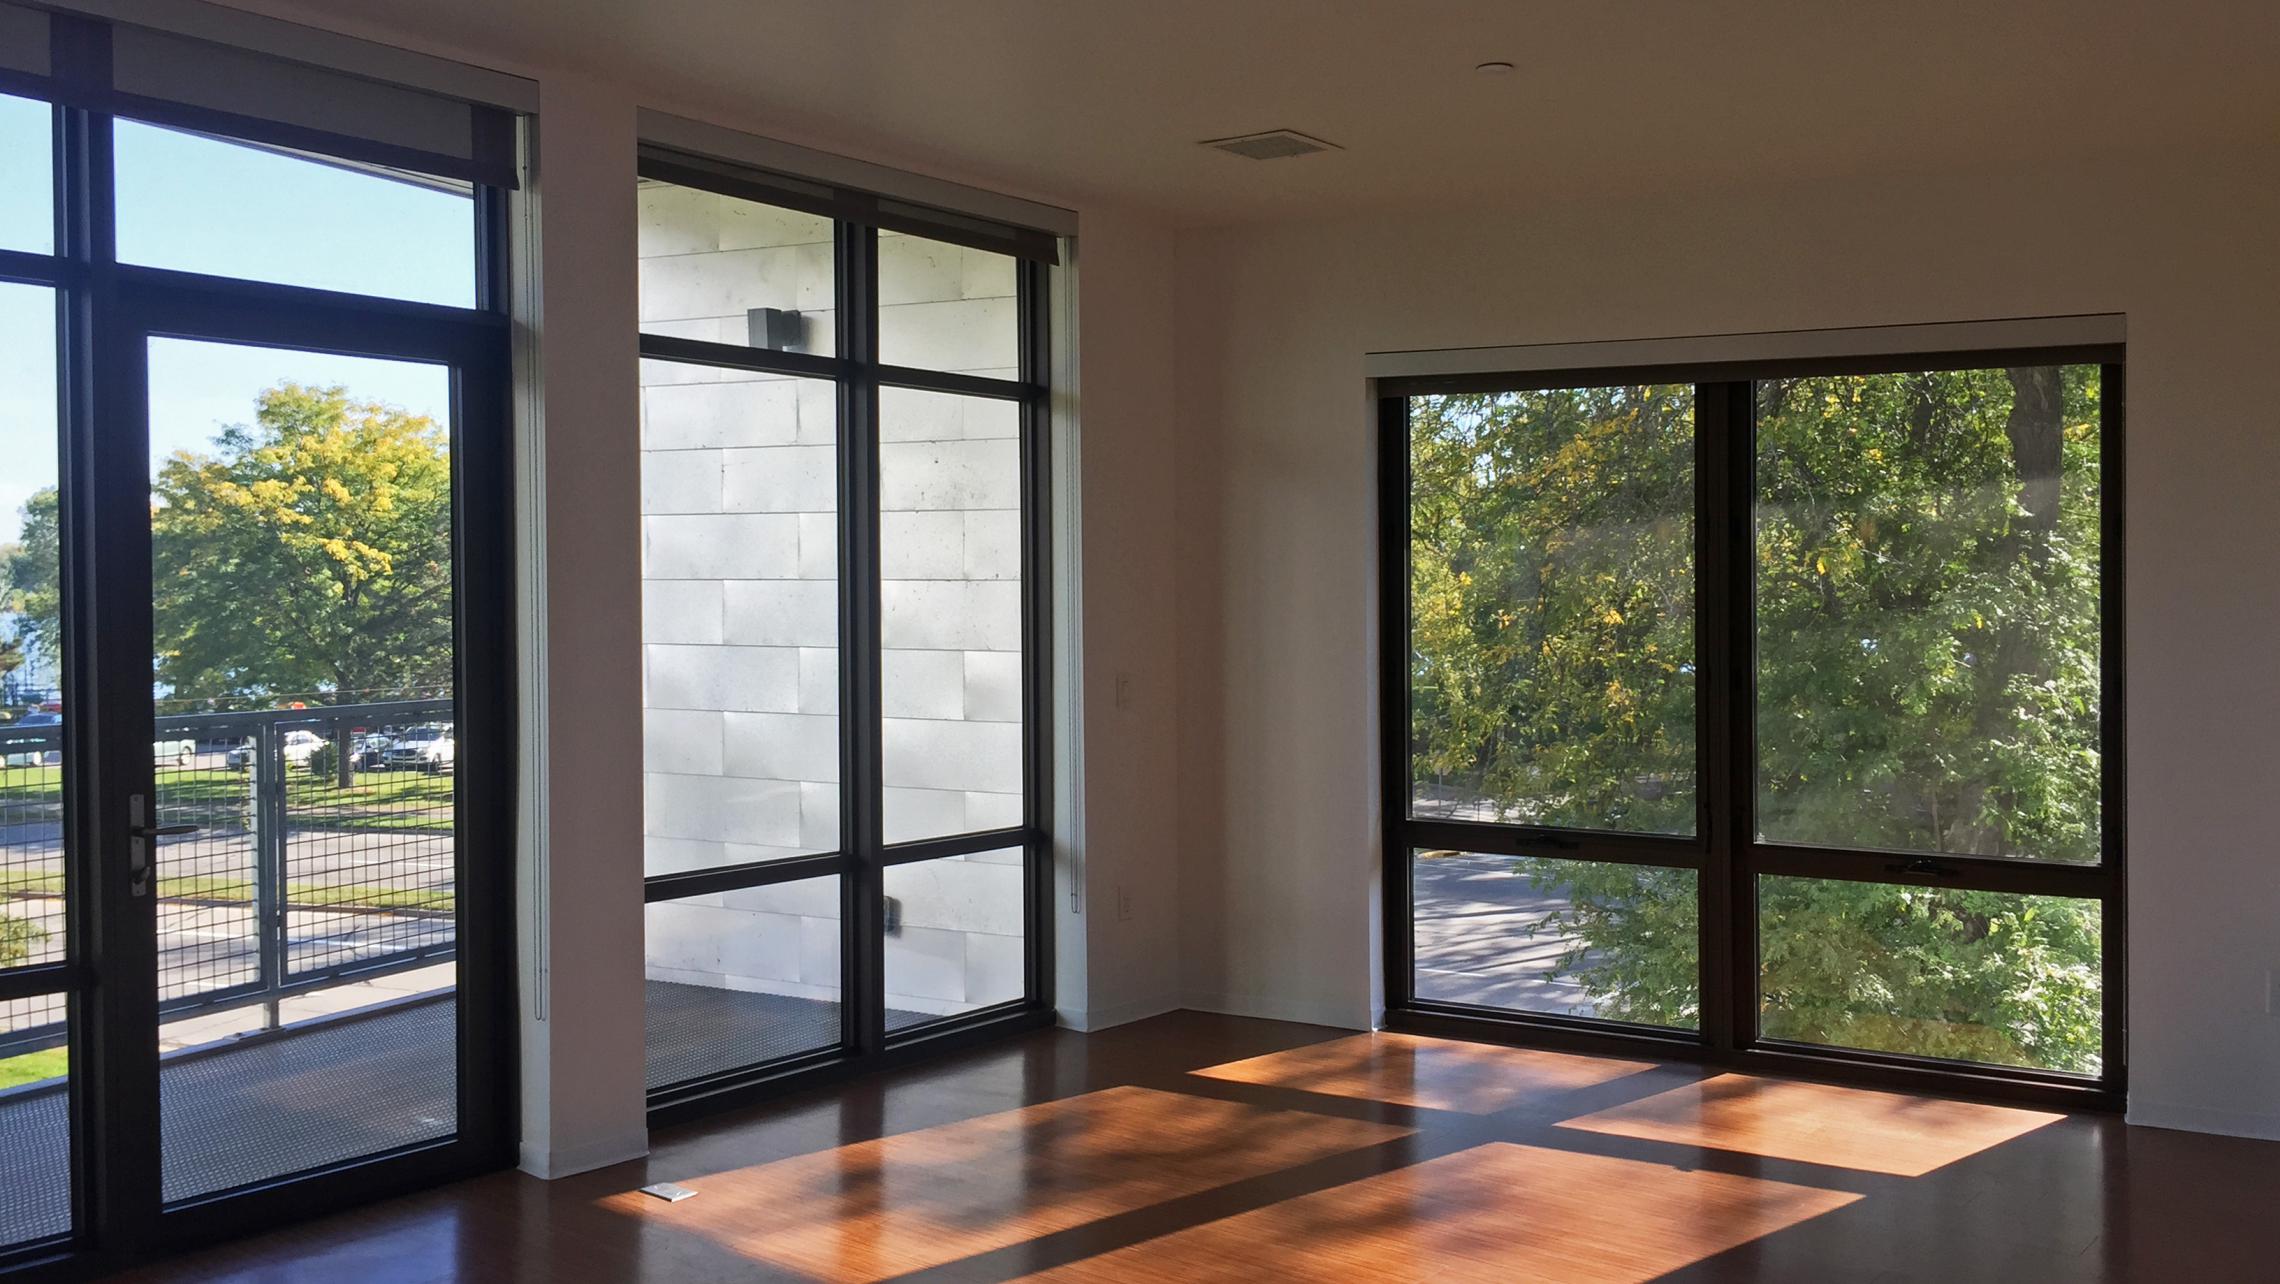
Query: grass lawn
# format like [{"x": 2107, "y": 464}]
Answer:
[
  {"x": 379, "y": 800},
  {"x": 32, "y": 1067},
  {"x": 240, "y": 891}
]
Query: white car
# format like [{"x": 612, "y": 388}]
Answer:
[
  {"x": 299, "y": 747},
  {"x": 165, "y": 753},
  {"x": 36, "y": 757},
  {"x": 431, "y": 749}
]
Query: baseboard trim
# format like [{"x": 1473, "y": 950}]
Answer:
[
  {"x": 551, "y": 1163},
  {"x": 1087, "y": 1020},
  {"x": 1269, "y": 1007},
  {"x": 2224, "y": 1123}
]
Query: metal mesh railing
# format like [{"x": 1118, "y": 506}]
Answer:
[
  {"x": 370, "y": 869},
  {"x": 324, "y": 850},
  {"x": 32, "y": 925}
]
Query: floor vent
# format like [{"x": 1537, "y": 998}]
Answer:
[{"x": 1275, "y": 144}]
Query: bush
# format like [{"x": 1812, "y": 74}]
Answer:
[
  {"x": 325, "y": 762},
  {"x": 17, "y": 937}
]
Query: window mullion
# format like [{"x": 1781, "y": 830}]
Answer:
[{"x": 863, "y": 939}]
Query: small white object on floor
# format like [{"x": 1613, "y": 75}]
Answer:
[{"x": 668, "y": 1192}]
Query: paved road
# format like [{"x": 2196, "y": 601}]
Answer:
[
  {"x": 1482, "y": 937},
  {"x": 206, "y": 947},
  {"x": 402, "y": 859}
]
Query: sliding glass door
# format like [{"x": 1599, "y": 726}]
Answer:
[
  {"x": 843, "y": 436},
  {"x": 1773, "y": 710},
  {"x": 254, "y": 859}
]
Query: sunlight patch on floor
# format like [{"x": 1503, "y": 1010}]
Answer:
[
  {"x": 1496, "y": 1213},
  {"x": 1815, "y": 1123},
  {"x": 1435, "y": 1074},
  {"x": 920, "y": 1199}
]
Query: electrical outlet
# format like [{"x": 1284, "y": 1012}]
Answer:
[
  {"x": 2272, "y": 992},
  {"x": 1123, "y": 902}
]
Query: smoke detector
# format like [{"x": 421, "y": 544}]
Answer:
[{"x": 1275, "y": 144}]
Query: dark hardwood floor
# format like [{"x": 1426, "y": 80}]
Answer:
[{"x": 1196, "y": 1147}]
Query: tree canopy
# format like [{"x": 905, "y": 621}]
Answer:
[
  {"x": 1925, "y": 562},
  {"x": 308, "y": 554}
]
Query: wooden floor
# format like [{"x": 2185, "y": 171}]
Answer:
[{"x": 1195, "y": 1147}]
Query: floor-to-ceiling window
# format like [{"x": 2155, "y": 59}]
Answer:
[
  {"x": 254, "y": 858},
  {"x": 842, "y": 446},
  {"x": 1772, "y": 709}
]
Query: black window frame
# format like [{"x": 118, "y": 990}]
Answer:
[
  {"x": 107, "y": 311},
  {"x": 1724, "y": 849},
  {"x": 858, "y": 376}
]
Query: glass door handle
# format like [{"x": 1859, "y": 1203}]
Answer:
[{"x": 139, "y": 836}]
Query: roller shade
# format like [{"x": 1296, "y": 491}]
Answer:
[
  {"x": 167, "y": 78},
  {"x": 853, "y": 206},
  {"x": 23, "y": 41}
]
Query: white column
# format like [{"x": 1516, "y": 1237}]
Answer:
[{"x": 579, "y": 863}]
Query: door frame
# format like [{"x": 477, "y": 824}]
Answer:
[
  {"x": 151, "y": 304},
  {"x": 106, "y": 313}
]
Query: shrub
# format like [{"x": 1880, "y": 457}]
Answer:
[{"x": 17, "y": 937}]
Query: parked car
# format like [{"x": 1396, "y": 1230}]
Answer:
[
  {"x": 35, "y": 757},
  {"x": 165, "y": 753},
  {"x": 430, "y": 749},
  {"x": 298, "y": 747},
  {"x": 369, "y": 752}
]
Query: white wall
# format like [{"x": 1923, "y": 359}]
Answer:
[
  {"x": 1279, "y": 683},
  {"x": 1132, "y": 576}
]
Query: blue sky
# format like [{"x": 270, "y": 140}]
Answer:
[{"x": 201, "y": 205}]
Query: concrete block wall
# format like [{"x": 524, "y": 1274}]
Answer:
[{"x": 740, "y": 607}]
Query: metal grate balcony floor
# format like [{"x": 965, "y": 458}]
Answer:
[
  {"x": 699, "y": 1030},
  {"x": 253, "y": 1109},
  {"x": 308, "y": 1096}
]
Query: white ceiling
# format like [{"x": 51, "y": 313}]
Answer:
[{"x": 1104, "y": 100}]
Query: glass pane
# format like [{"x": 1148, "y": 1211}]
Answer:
[
  {"x": 740, "y": 617},
  {"x": 1927, "y": 589},
  {"x": 946, "y": 307},
  {"x": 955, "y": 936},
  {"x": 32, "y": 920},
  {"x": 1563, "y": 937},
  {"x": 739, "y": 978},
  {"x": 27, "y": 175},
  {"x": 200, "y": 204},
  {"x": 1931, "y": 971},
  {"x": 950, "y": 525},
  {"x": 35, "y": 1134},
  {"x": 1552, "y": 608},
  {"x": 302, "y": 569},
  {"x": 733, "y": 271}
]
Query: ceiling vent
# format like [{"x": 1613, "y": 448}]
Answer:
[{"x": 1275, "y": 144}]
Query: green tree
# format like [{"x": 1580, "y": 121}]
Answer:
[
  {"x": 308, "y": 554},
  {"x": 1553, "y": 600},
  {"x": 1927, "y": 665},
  {"x": 32, "y": 567}
]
